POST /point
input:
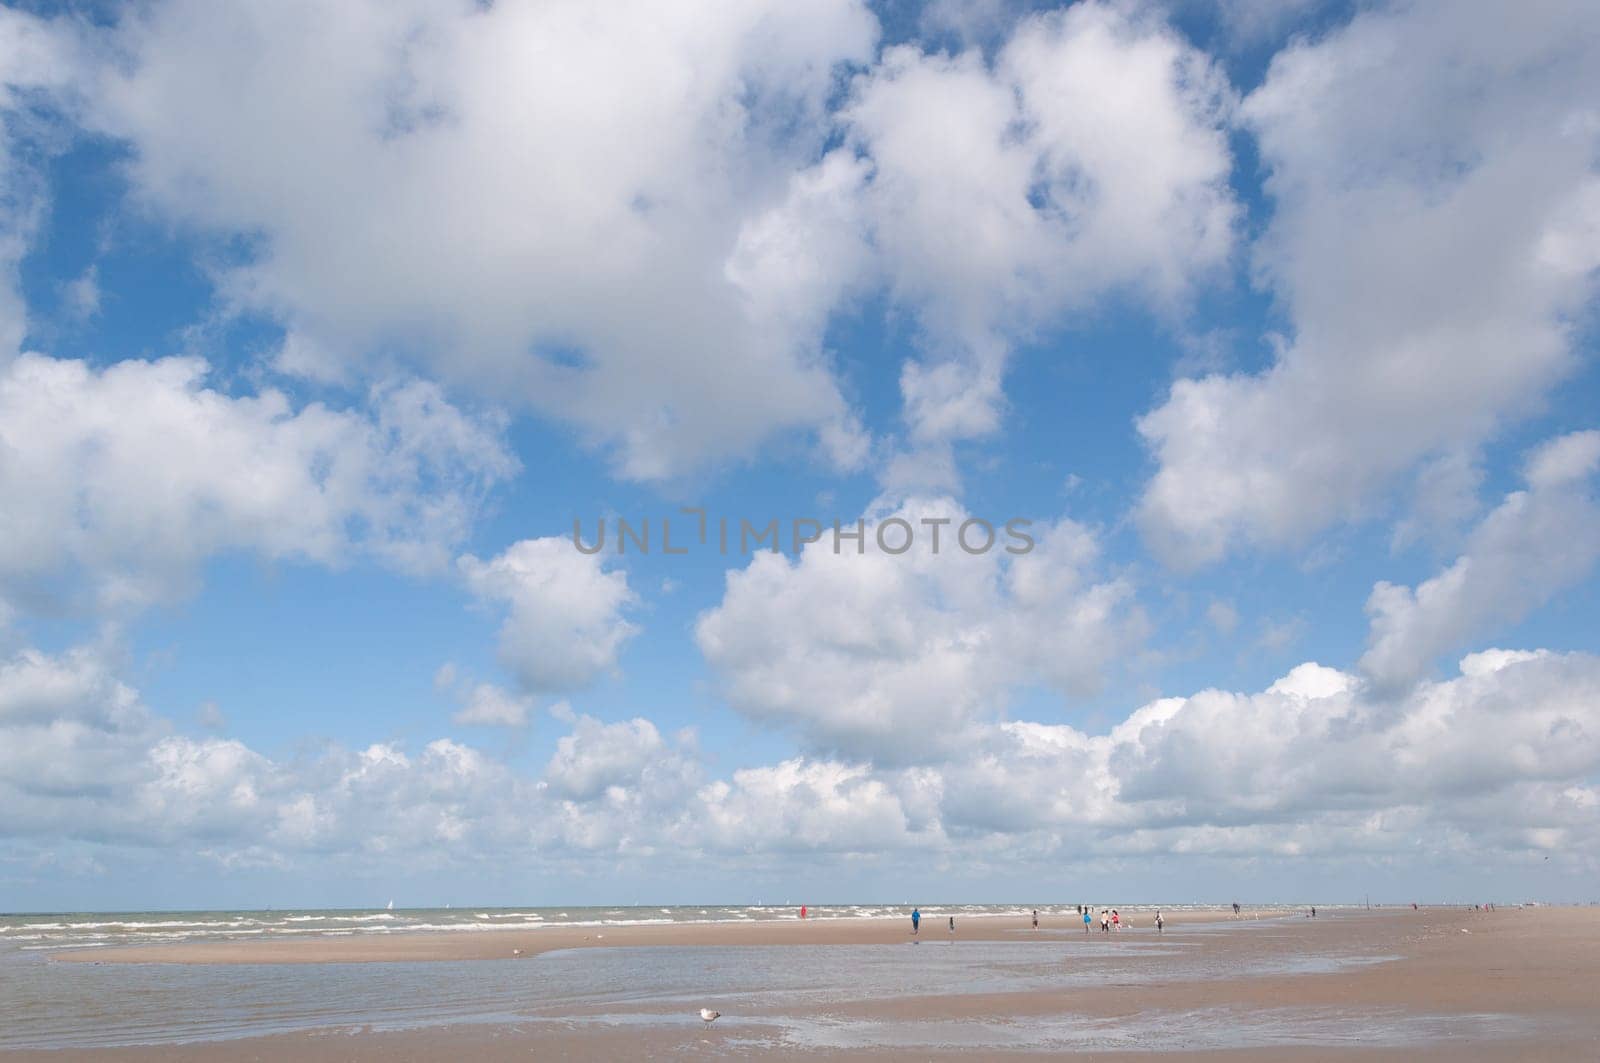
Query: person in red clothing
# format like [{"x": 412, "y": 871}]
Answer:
[{"x": 802, "y": 911}]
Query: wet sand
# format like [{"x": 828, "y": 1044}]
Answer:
[{"x": 1456, "y": 985}]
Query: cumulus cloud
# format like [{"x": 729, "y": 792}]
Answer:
[
  {"x": 1539, "y": 541},
  {"x": 429, "y": 187},
  {"x": 430, "y": 184},
  {"x": 1499, "y": 756},
  {"x": 121, "y": 481},
  {"x": 811, "y": 805},
  {"x": 894, "y": 656},
  {"x": 82, "y": 758},
  {"x": 1089, "y": 157},
  {"x": 597, "y": 756},
  {"x": 429, "y": 193},
  {"x": 1437, "y": 211},
  {"x": 564, "y": 621},
  {"x": 1317, "y": 741}
]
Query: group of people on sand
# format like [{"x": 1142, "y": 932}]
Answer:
[{"x": 1110, "y": 919}]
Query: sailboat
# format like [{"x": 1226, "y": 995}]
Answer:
[{"x": 391, "y": 905}]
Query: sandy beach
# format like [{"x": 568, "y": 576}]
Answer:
[{"x": 1430, "y": 984}]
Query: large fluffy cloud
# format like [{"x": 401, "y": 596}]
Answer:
[
  {"x": 1437, "y": 214},
  {"x": 539, "y": 199},
  {"x": 1538, "y": 541},
  {"x": 120, "y": 481},
  {"x": 894, "y": 656},
  {"x": 430, "y": 185},
  {"x": 564, "y": 624},
  {"x": 1089, "y": 157}
]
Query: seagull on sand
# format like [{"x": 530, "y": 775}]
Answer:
[{"x": 708, "y": 1016}]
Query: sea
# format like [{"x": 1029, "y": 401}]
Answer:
[{"x": 45, "y": 932}]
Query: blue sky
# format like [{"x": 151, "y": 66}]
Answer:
[{"x": 321, "y": 327}]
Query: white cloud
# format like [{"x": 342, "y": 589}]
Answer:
[
  {"x": 564, "y": 625},
  {"x": 1437, "y": 215},
  {"x": 1443, "y": 499},
  {"x": 1499, "y": 757},
  {"x": 488, "y": 705},
  {"x": 894, "y": 657},
  {"x": 1089, "y": 158},
  {"x": 598, "y": 756},
  {"x": 1322, "y": 745},
  {"x": 815, "y": 805},
  {"x": 1565, "y": 461},
  {"x": 431, "y": 183},
  {"x": 1536, "y": 543},
  {"x": 429, "y": 187},
  {"x": 121, "y": 481}
]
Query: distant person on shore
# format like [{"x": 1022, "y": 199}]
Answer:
[
  {"x": 1105, "y": 921},
  {"x": 1159, "y": 923},
  {"x": 952, "y": 928},
  {"x": 916, "y": 920},
  {"x": 1116, "y": 920},
  {"x": 1313, "y": 911},
  {"x": 802, "y": 911},
  {"x": 1036, "y": 919},
  {"x": 1085, "y": 918},
  {"x": 1235, "y": 907}
]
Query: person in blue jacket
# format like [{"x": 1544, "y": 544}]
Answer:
[{"x": 916, "y": 919}]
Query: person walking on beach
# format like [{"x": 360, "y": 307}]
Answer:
[
  {"x": 1085, "y": 912},
  {"x": 1159, "y": 923},
  {"x": 1235, "y": 907},
  {"x": 916, "y": 919},
  {"x": 1116, "y": 920},
  {"x": 952, "y": 928},
  {"x": 1036, "y": 919},
  {"x": 1105, "y": 921}
]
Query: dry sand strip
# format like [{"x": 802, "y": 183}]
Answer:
[
  {"x": 500, "y": 944},
  {"x": 1539, "y": 967}
]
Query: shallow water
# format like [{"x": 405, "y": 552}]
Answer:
[
  {"x": 783, "y": 993},
  {"x": 1159, "y": 1031}
]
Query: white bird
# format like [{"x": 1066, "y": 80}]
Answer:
[{"x": 708, "y": 1016}]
